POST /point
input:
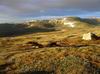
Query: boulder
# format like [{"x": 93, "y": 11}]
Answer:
[{"x": 89, "y": 36}]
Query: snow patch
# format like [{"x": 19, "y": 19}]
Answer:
[{"x": 70, "y": 24}]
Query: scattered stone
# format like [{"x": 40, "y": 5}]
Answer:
[
  {"x": 89, "y": 36},
  {"x": 53, "y": 44},
  {"x": 35, "y": 44}
]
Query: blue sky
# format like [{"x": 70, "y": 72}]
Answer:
[{"x": 17, "y": 10}]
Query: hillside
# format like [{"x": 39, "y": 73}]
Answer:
[
  {"x": 50, "y": 47},
  {"x": 60, "y": 22},
  {"x": 34, "y": 26}
]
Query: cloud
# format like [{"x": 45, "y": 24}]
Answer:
[
  {"x": 35, "y": 5},
  {"x": 22, "y": 8}
]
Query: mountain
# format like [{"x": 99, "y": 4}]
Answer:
[
  {"x": 64, "y": 22},
  {"x": 54, "y": 24}
]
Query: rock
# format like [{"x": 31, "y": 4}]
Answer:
[
  {"x": 89, "y": 36},
  {"x": 53, "y": 44},
  {"x": 35, "y": 44}
]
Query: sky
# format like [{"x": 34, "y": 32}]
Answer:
[{"x": 18, "y": 10}]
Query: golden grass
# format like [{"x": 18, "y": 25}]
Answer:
[
  {"x": 60, "y": 60},
  {"x": 78, "y": 57}
]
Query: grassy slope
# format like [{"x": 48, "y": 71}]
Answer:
[
  {"x": 59, "y": 60},
  {"x": 17, "y": 57}
]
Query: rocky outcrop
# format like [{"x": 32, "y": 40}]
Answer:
[{"x": 90, "y": 36}]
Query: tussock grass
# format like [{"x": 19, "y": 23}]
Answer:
[{"x": 72, "y": 55}]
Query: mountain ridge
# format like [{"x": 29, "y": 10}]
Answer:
[{"x": 34, "y": 26}]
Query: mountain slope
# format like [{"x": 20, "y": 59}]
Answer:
[{"x": 34, "y": 26}]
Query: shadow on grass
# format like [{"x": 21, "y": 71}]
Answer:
[{"x": 7, "y": 30}]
